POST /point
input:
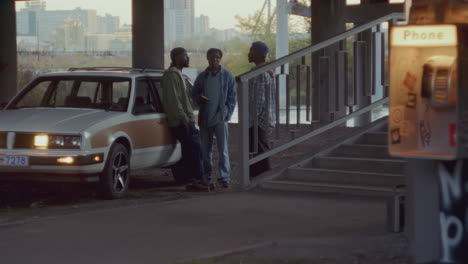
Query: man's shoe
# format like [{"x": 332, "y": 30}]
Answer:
[
  {"x": 224, "y": 184},
  {"x": 208, "y": 183},
  {"x": 196, "y": 187}
]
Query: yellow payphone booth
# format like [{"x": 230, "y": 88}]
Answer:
[
  {"x": 424, "y": 91},
  {"x": 429, "y": 120}
]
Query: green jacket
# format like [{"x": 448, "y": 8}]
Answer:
[{"x": 175, "y": 98}]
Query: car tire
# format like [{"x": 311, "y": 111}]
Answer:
[
  {"x": 115, "y": 178},
  {"x": 178, "y": 173}
]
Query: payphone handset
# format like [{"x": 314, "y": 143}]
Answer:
[
  {"x": 438, "y": 84},
  {"x": 423, "y": 91}
]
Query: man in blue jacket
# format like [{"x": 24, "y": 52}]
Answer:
[{"x": 215, "y": 92}]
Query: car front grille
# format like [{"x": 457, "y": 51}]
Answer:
[
  {"x": 3, "y": 140},
  {"x": 24, "y": 141}
]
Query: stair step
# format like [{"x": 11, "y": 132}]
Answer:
[
  {"x": 327, "y": 188},
  {"x": 392, "y": 166},
  {"x": 343, "y": 177},
  {"x": 363, "y": 151},
  {"x": 374, "y": 138}
]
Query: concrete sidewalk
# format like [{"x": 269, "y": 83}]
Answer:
[{"x": 204, "y": 225}]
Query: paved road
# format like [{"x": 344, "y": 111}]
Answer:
[{"x": 163, "y": 232}]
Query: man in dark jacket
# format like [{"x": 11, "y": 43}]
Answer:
[
  {"x": 215, "y": 92},
  {"x": 177, "y": 105}
]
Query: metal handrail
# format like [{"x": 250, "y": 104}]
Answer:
[
  {"x": 318, "y": 131},
  {"x": 302, "y": 52},
  {"x": 243, "y": 94}
]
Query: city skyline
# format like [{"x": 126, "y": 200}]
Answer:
[
  {"x": 85, "y": 30},
  {"x": 214, "y": 9}
]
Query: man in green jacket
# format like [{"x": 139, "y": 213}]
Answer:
[{"x": 177, "y": 105}]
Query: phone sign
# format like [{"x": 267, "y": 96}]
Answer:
[{"x": 424, "y": 36}]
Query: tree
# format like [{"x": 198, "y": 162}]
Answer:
[{"x": 261, "y": 27}]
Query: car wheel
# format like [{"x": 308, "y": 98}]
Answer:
[
  {"x": 115, "y": 177},
  {"x": 178, "y": 173}
]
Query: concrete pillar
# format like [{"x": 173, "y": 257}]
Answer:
[
  {"x": 422, "y": 210},
  {"x": 8, "y": 54},
  {"x": 364, "y": 98},
  {"x": 282, "y": 45},
  {"x": 148, "y": 34},
  {"x": 327, "y": 22}
]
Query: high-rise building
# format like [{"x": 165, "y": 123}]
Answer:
[
  {"x": 107, "y": 24},
  {"x": 202, "y": 24},
  {"x": 35, "y": 20},
  {"x": 70, "y": 37},
  {"x": 179, "y": 18},
  {"x": 37, "y": 5}
]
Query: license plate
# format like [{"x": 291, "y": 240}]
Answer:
[{"x": 14, "y": 161}]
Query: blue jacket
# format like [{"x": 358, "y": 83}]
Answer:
[{"x": 228, "y": 95}]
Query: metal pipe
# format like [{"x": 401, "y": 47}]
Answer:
[
  {"x": 277, "y": 108},
  {"x": 298, "y": 96},
  {"x": 243, "y": 112},
  {"x": 308, "y": 92},
  {"x": 254, "y": 116},
  {"x": 288, "y": 102}
]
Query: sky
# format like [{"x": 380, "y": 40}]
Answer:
[{"x": 221, "y": 12}]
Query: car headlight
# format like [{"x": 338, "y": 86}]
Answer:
[
  {"x": 57, "y": 141},
  {"x": 41, "y": 141}
]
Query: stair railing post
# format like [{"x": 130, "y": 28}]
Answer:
[{"x": 243, "y": 108}]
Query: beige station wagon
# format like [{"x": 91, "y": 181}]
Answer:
[{"x": 89, "y": 124}]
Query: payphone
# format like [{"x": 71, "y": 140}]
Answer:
[
  {"x": 424, "y": 89},
  {"x": 428, "y": 117}
]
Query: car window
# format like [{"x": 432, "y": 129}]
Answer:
[
  {"x": 92, "y": 90},
  {"x": 60, "y": 93},
  {"x": 157, "y": 92},
  {"x": 119, "y": 90},
  {"x": 35, "y": 96},
  {"x": 157, "y": 85},
  {"x": 144, "y": 99},
  {"x": 98, "y": 92}
]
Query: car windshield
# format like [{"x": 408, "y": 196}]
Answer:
[{"x": 108, "y": 93}]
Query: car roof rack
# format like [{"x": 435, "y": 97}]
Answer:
[
  {"x": 142, "y": 70},
  {"x": 147, "y": 70},
  {"x": 100, "y": 69}
]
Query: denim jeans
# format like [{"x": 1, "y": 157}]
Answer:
[
  {"x": 221, "y": 132},
  {"x": 191, "y": 161}
]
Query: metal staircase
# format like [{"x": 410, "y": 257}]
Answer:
[
  {"x": 324, "y": 86},
  {"x": 360, "y": 165}
]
